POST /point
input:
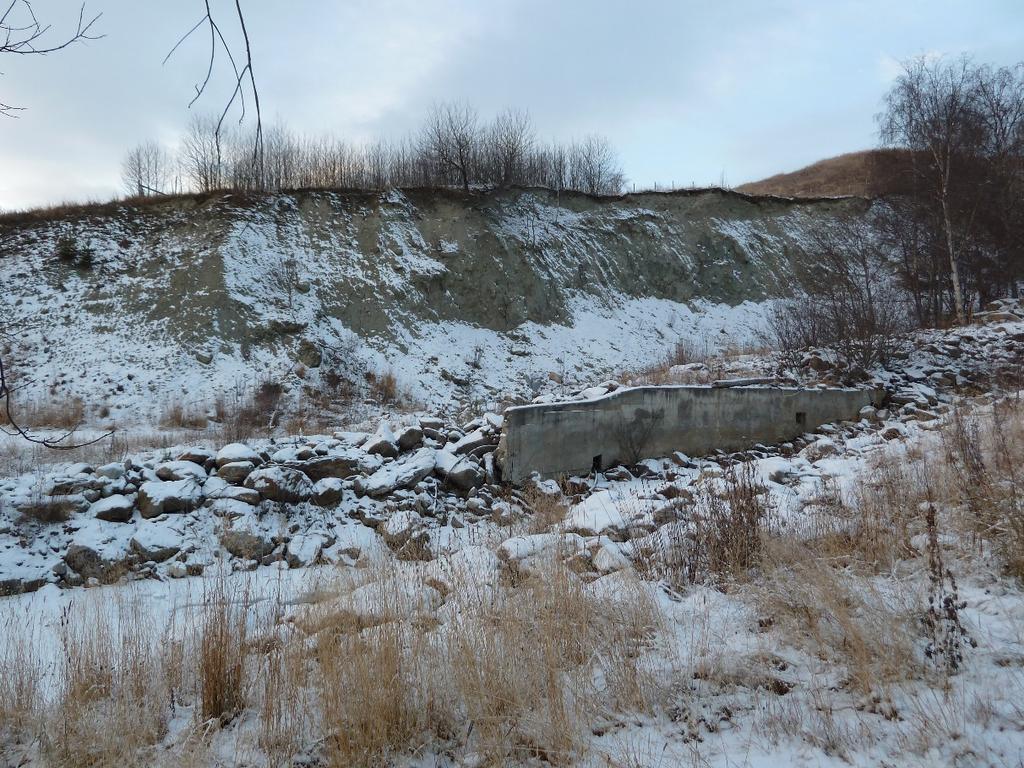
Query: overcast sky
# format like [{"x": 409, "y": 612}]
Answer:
[{"x": 687, "y": 90}]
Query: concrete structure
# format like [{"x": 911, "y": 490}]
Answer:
[{"x": 642, "y": 422}]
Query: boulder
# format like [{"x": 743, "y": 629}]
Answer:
[
  {"x": 114, "y": 509},
  {"x": 400, "y": 474},
  {"x": 282, "y": 484},
  {"x": 245, "y": 544},
  {"x": 235, "y": 472},
  {"x": 327, "y": 492},
  {"x": 197, "y": 455},
  {"x": 180, "y": 470},
  {"x": 155, "y": 542},
  {"x": 409, "y": 438},
  {"x": 337, "y": 465},
  {"x": 459, "y": 471},
  {"x": 160, "y": 496},
  {"x": 238, "y": 452}
]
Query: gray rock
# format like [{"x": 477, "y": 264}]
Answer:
[
  {"x": 245, "y": 544},
  {"x": 235, "y": 472},
  {"x": 158, "y": 497},
  {"x": 114, "y": 509},
  {"x": 328, "y": 466},
  {"x": 327, "y": 492},
  {"x": 281, "y": 484},
  {"x": 409, "y": 438}
]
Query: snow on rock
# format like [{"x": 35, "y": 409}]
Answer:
[
  {"x": 237, "y": 452},
  {"x": 235, "y": 472},
  {"x": 460, "y": 471},
  {"x": 399, "y": 474},
  {"x": 156, "y": 542},
  {"x": 160, "y": 496},
  {"x": 180, "y": 470},
  {"x": 114, "y": 509},
  {"x": 280, "y": 484}
]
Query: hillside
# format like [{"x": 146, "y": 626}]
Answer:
[
  {"x": 462, "y": 297},
  {"x": 871, "y": 173}
]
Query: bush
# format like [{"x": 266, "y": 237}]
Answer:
[{"x": 67, "y": 249}]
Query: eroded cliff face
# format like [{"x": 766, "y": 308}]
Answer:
[{"x": 473, "y": 295}]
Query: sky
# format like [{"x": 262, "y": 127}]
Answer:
[{"x": 688, "y": 91}]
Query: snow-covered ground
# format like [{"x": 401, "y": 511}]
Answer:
[{"x": 851, "y": 597}]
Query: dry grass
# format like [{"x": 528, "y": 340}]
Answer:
[
  {"x": 178, "y": 416},
  {"x": 223, "y": 634},
  {"x": 867, "y": 174},
  {"x": 114, "y": 670},
  {"x": 58, "y": 414},
  {"x": 836, "y": 616},
  {"x": 383, "y": 387}
]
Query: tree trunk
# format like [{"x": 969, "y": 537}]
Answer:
[{"x": 954, "y": 271}]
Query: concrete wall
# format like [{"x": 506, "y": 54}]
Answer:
[{"x": 644, "y": 422}]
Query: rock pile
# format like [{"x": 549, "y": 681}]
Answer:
[{"x": 278, "y": 500}]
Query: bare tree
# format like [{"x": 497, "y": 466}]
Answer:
[
  {"x": 243, "y": 74},
  {"x": 931, "y": 111},
  {"x": 510, "y": 141},
  {"x": 451, "y": 139},
  {"x": 147, "y": 170},
  {"x": 852, "y": 302},
  {"x": 23, "y": 34},
  {"x": 593, "y": 167}
]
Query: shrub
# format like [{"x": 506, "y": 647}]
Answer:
[{"x": 67, "y": 249}]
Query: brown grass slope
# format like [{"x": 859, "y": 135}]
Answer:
[{"x": 870, "y": 173}]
